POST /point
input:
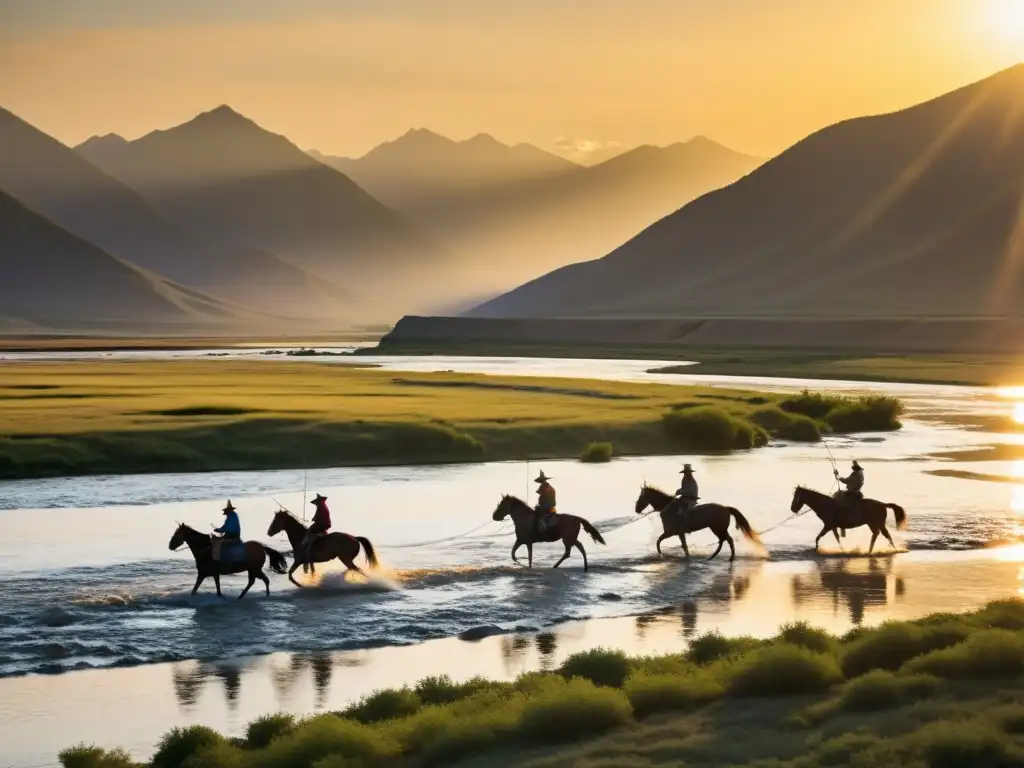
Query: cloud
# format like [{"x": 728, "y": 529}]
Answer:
[{"x": 586, "y": 151}]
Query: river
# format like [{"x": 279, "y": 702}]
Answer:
[{"x": 96, "y": 617}]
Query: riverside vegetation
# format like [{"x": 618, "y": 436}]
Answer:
[
  {"x": 943, "y": 691},
  {"x": 177, "y": 416}
]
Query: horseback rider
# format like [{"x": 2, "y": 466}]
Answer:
[
  {"x": 230, "y": 531},
  {"x": 854, "y": 483},
  {"x": 320, "y": 525},
  {"x": 545, "y": 501},
  {"x": 687, "y": 492}
]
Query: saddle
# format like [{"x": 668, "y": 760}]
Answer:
[
  {"x": 230, "y": 551},
  {"x": 545, "y": 520}
]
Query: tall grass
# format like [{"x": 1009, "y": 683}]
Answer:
[
  {"x": 597, "y": 453},
  {"x": 709, "y": 428}
]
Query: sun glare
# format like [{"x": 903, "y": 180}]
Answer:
[
  {"x": 1018, "y": 413},
  {"x": 1005, "y": 19}
]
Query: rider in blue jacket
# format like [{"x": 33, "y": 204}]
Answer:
[{"x": 232, "y": 529}]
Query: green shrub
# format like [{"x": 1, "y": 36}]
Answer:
[
  {"x": 265, "y": 729},
  {"x": 889, "y": 646},
  {"x": 880, "y": 689},
  {"x": 651, "y": 694},
  {"x": 670, "y": 664},
  {"x": 82, "y": 756},
  {"x": 786, "y": 426},
  {"x": 440, "y": 735},
  {"x": 712, "y": 429},
  {"x": 441, "y": 689},
  {"x": 1002, "y": 614},
  {"x": 802, "y": 634},
  {"x": 385, "y": 704},
  {"x": 325, "y": 736},
  {"x": 872, "y": 413},
  {"x": 1010, "y": 718},
  {"x": 953, "y": 744},
  {"x": 713, "y": 645},
  {"x": 179, "y": 744},
  {"x": 813, "y": 405},
  {"x": 597, "y": 453},
  {"x": 578, "y": 709},
  {"x": 223, "y": 755},
  {"x": 783, "y": 670},
  {"x": 601, "y": 666},
  {"x": 988, "y": 653}
]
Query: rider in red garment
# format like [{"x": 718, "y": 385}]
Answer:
[{"x": 321, "y": 525}]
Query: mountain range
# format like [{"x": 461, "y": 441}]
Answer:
[
  {"x": 916, "y": 213},
  {"x": 523, "y": 211}
]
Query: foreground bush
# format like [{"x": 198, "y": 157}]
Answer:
[
  {"x": 577, "y": 710},
  {"x": 181, "y": 743},
  {"x": 385, "y": 704},
  {"x": 883, "y": 690},
  {"x": 712, "y": 646},
  {"x": 329, "y": 735},
  {"x": 783, "y": 670},
  {"x": 652, "y": 694},
  {"x": 707, "y": 428},
  {"x": 990, "y": 653},
  {"x": 601, "y": 666},
  {"x": 82, "y": 756},
  {"x": 804, "y": 635},
  {"x": 265, "y": 729},
  {"x": 893, "y": 644}
]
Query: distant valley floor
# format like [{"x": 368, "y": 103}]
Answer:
[{"x": 947, "y": 351}]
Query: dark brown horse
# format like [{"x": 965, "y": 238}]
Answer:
[
  {"x": 561, "y": 527},
  {"x": 324, "y": 548},
  {"x": 835, "y": 514},
  {"x": 201, "y": 545},
  {"x": 678, "y": 522}
]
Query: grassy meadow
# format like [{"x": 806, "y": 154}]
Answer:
[
  {"x": 943, "y": 691},
  {"x": 185, "y": 415}
]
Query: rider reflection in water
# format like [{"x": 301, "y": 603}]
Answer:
[{"x": 230, "y": 531}]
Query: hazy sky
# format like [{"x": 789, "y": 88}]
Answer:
[{"x": 343, "y": 75}]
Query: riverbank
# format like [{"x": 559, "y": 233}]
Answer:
[
  {"x": 942, "y": 690},
  {"x": 113, "y": 417},
  {"x": 836, "y": 365}
]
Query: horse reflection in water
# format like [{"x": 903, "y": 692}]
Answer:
[{"x": 861, "y": 584}]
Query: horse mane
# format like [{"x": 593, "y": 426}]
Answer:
[
  {"x": 292, "y": 515},
  {"x": 649, "y": 487},
  {"x": 805, "y": 489}
]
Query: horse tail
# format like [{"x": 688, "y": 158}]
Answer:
[
  {"x": 744, "y": 525},
  {"x": 371, "y": 555},
  {"x": 901, "y": 515},
  {"x": 277, "y": 562},
  {"x": 589, "y": 528}
]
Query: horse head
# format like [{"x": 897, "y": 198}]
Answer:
[
  {"x": 178, "y": 539},
  {"x": 799, "y": 499},
  {"x": 504, "y": 507},
  {"x": 279, "y": 523},
  {"x": 644, "y": 499}
]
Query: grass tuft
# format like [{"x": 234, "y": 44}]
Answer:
[
  {"x": 179, "y": 744},
  {"x": 601, "y": 666},
  {"x": 653, "y": 694},
  {"x": 82, "y": 756},
  {"x": 597, "y": 453},
  {"x": 783, "y": 670},
  {"x": 576, "y": 710},
  {"x": 880, "y": 689}
]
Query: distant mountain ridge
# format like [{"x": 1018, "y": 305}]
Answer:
[
  {"x": 521, "y": 210},
  {"x": 229, "y": 182},
  {"x": 910, "y": 214}
]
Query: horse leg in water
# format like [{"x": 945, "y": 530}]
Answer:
[
  {"x": 661, "y": 539},
  {"x": 515, "y": 548},
  {"x": 721, "y": 541},
  {"x": 199, "y": 580},
  {"x": 885, "y": 532},
  {"x": 568, "y": 539},
  {"x": 586, "y": 565},
  {"x": 723, "y": 536},
  {"x": 529, "y": 552},
  {"x": 266, "y": 581},
  {"x": 351, "y": 565},
  {"x": 216, "y": 580},
  {"x": 824, "y": 530},
  {"x": 252, "y": 580},
  {"x": 568, "y": 549},
  {"x": 874, "y": 537},
  {"x": 291, "y": 573}
]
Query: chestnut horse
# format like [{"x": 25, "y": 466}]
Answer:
[
  {"x": 560, "y": 527},
  {"x": 678, "y": 522},
  {"x": 835, "y": 514},
  {"x": 324, "y": 548}
]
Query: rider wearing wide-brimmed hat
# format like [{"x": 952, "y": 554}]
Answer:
[
  {"x": 320, "y": 525},
  {"x": 545, "y": 499},
  {"x": 232, "y": 529},
  {"x": 688, "y": 492}
]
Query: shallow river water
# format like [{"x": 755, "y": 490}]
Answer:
[{"x": 93, "y": 598}]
